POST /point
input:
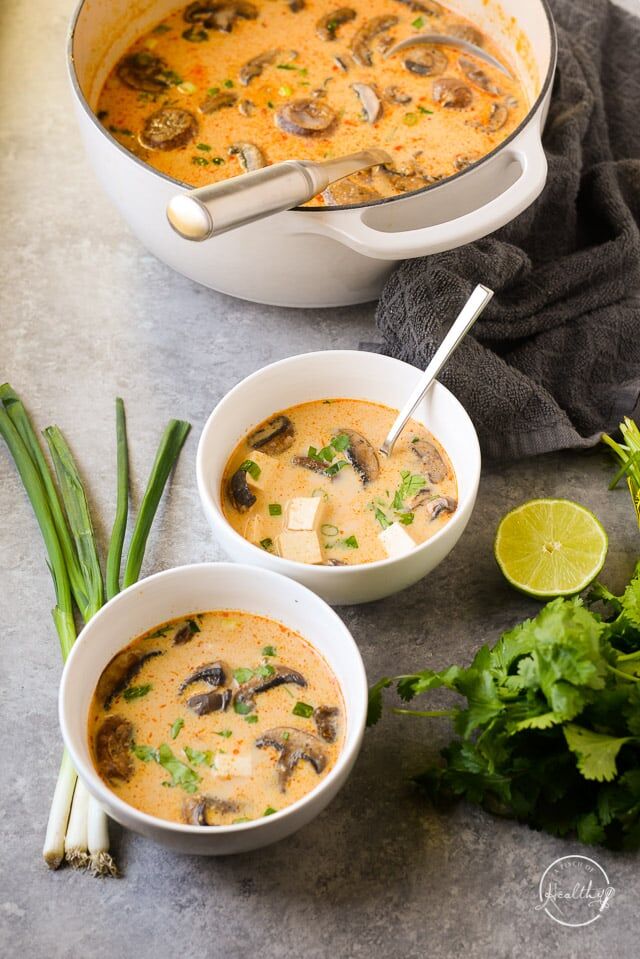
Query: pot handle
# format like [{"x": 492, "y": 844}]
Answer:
[{"x": 360, "y": 234}]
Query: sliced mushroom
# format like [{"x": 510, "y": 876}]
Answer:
[
  {"x": 246, "y": 108},
  {"x": 430, "y": 7},
  {"x": 183, "y": 634},
  {"x": 276, "y": 436},
  {"x": 464, "y": 31},
  {"x": 326, "y": 720},
  {"x": 293, "y": 745},
  {"x": 213, "y": 674},
  {"x": 396, "y": 95},
  {"x": 478, "y": 77},
  {"x": 463, "y": 160},
  {"x": 334, "y": 562},
  {"x": 452, "y": 93},
  {"x": 371, "y": 106},
  {"x": 206, "y": 810},
  {"x": 361, "y": 43},
  {"x": 431, "y": 459},
  {"x": 361, "y": 454},
  {"x": 218, "y": 101},
  {"x": 440, "y": 504},
  {"x": 220, "y": 16},
  {"x": 305, "y": 117},
  {"x": 113, "y": 749},
  {"x": 309, "y": 463},
  {"x": 296, "y": 5},
  {"x": 239, "y": 492},
  {"x": 143, "y": 71},
  {"x": 327, "y": 26},
  {"x": 261, "y": 684},
  {"x": 347, "y": 191},
  {"x": 426, "y": 61},
  {"x": 341, "y": 63},
  {"x": 406, "y": 180},
  {"x": 119, "y": 673},
  {"x": 214, "y": 702},
  {"x": 254, "y": 67},
  {"x": 250, "y": 157},
  {"x": 497, "y": 118},
  {"x": 168, "y": 129}
]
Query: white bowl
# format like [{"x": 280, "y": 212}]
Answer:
[
  {"x": 354, "y": 375},
  {"x": 175, "y": 593}
]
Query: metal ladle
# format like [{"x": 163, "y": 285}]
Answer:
[
  {"x": 445, "y": 40},
  {"x": 459, "y": 329},
  {"x": 219, "y": 207}
]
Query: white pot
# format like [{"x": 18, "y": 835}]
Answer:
[
  {"x": 319, "y": 257},
  {"x": 178, "y": 592},
  {"x": 358, "y": 375}
]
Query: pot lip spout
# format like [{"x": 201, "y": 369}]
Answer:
[{"x": 180, "y": 184}]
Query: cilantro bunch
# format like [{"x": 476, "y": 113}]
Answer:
[{"x": 549, "y": 728}]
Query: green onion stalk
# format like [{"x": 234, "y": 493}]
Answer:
[
  {"x": 77, "y": 829},
  {"x": 628, "y": 452}
]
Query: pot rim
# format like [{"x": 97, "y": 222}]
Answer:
[{"x": 75, "y": 83}]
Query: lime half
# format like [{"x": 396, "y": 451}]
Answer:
[{"x": 550, "y": 547}]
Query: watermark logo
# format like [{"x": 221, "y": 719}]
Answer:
[{"x": 575, "y": 891}]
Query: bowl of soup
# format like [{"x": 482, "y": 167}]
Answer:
[
  {"x": 291, "y": 478},
  {"x": 214, "y": 708},
  {"x": 173, "y": 96}
]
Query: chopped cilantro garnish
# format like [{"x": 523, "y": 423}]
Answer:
[
  {"x": 251, "y": 718},
  {"x": 424, "y": 110},
  {"x": 418, "y": 23},
  {"x": 225, "y": 733},
  {"x": 145, "y": 753},
  {"x": 242, "y": 709},
  {"x": 267, "y": 543},
  {"x": 176, "y": 727},
  {"x": 269, "y": 651},
  {"x": 199, "y": 757},
  {"x": 269, "y": 811},
  {"x": 351, "y": 542},
  {"x": 381, "y": 517},
  {"x": 228, "y": 84},
  {"x": 181, "y": 774},
  {"x": 136, "y": 692},
  {"x": 242, "y": 675}
]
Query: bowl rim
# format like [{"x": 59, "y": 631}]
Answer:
[
  {"x": 289, "y": 567},
  {"x": 346, "y": 757},
  {"x": 329, "y": 208}
]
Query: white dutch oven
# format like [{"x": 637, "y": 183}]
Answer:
[{"x": 319, "y": 257}]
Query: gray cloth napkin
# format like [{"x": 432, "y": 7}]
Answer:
[{"x": 555, "y": 358}]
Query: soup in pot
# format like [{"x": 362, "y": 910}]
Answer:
[
  {"x": 309, "y": 485},
  {"x": 216, "y": 718},
  {"x": 223, "y": 87}
]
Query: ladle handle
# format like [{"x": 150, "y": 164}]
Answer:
[
  {"x": 219, "y": 207},
  {"x": 458, "y": 330}
]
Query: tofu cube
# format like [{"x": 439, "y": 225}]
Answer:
[
  {"x": 300, "y": 545},
  {"x": 226, "y": 764},
  {"x": 396, "y": 540},
  {"x": 304, "y": 512},
  {"x": 268, "y": 466}
]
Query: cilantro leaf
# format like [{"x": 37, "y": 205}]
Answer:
[
  {"x": 181, "y": 774},
  {"x": 596, "y": 752}
]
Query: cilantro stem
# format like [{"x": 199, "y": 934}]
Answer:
[
  {"x": 114, "y": 555},
  {"x": 622, "y": 674},
  {"x": 423, "y": 712}
]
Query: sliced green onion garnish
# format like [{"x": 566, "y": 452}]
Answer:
[
  {"x": 251, "y": 468},
  {"x": 275, "y": 509},
  {"x": 329, "y": 529}
]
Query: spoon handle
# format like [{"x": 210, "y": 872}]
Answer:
[{"x": 459, "y": 329}]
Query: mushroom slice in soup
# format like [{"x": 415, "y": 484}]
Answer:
[
  {"x": 371, "y": 106},
  {"x": 119, "y": 673},
  {"x": 478, "y": 77},
  {"x": 342, "y": 193},
  {"x": 326, "y": 720},
  {"x": 168, "y": 129},
  {"x": 261, "y": 684},
  {"x": 327, "y": 25},
  {"x": 309, "y": 463},
  {"x": 276, "y": 436},
  {"x": 251, "y": 158},
  {"x": 143, "y": 71},
  {"x": 239, "y": 492},
  {"x": 361, "y": 43},
  {"x": 217, "y": 102},
  {"x": 213, "y": 702},
  {"x": 305, "y": 118},
  {"x": 394, "y": 94},
  {"x": 213, "y": 674},
  {"x": 497, "y": 118},
  {"x": 206, "y": 810},
  {"x": 113, "y": 749},
  {"x": 464, "y": 31},
  {"x": 452, "y": 93},
  {"x": 293, "y": 745},
  {"x": 220, "y": 16},
  {"x": 254, "y": 67},
  {"x": 426, "y": 61},
  {"x": 430, "y": 457},
  {"x": 361, "y": 454},
  {"x": 441, "y": 504},
  {"x": 430, "y": 7}
]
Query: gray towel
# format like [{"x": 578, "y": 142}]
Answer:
[{"x": 555, "y": 358}]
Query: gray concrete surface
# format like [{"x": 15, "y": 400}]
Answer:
[{"x": 85, "y": 314}]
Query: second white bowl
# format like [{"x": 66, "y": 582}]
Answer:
[{"x": 354, "y": 375}]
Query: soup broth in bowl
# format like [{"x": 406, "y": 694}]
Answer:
[
  {"x": 216, "y": 719},
  {"x": 310, "y": 486}
]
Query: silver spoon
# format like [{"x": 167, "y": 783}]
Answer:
[
  {"x": 459, "y": 329},
  {"x": 214, "y": 209},
  {"x": 446, "y": 40}
]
